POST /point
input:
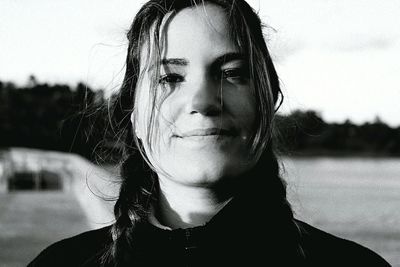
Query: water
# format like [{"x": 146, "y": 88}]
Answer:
[{"x": 355, "y": 198}]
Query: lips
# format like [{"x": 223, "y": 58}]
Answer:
[{"x": 207, "y": 132}]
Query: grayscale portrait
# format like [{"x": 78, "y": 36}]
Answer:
[{"x": 199, "y": 133}]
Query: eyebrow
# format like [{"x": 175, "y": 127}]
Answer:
[
  {"x": 175, "y": 61},
  {"x": 219, "y": 61}
]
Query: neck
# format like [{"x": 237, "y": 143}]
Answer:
[{"x": 183, "y": 206}]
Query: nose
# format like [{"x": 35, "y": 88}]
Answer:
[{"x": 205, "y": 97}]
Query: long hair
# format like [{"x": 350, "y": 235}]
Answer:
[{"x": 139, "y": 181}]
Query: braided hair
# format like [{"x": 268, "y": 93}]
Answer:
[{"x": 139, "y": 181}]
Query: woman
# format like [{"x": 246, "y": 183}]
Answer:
[{"x": 201, "y": 183}]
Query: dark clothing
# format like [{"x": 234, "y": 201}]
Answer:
[{"x": 236, "y": 236}]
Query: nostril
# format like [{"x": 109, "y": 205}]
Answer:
[
  {"x": 206, "y": 104},
  {"x": 207, "y": 101},
  {"x": 207, "y": 110}
]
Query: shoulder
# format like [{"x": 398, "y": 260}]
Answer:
[
  {"x": 324, "y": 249},
  {"x": 74, "y": 251}
]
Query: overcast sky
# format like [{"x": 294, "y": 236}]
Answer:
[{"x": 339, "y": 57}]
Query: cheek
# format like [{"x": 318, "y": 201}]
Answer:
[
  {"x": 167, "y": 114},
  {"x": 241, "y": 105},
  {"x": 162, "y": 127},
  {"x": 150, "y": 118}
]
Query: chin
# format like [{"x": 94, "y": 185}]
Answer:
[{"x": 206, "y": 171}]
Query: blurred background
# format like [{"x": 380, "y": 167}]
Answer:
[{"x": 339, "y": 125}]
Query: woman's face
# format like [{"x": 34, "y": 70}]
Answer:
[{"x": 204, "y": 123}]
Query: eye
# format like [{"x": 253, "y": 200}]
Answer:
[
  {"x": 171, "y": 78},
  {"x": 235, "y": 75}
]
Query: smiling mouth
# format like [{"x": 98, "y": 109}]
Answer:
[{"x": 207, "y": 132}]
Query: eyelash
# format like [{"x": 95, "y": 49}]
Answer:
[
  {"x": 167, "y": 78},
  {"x": 233, "y": 75}
]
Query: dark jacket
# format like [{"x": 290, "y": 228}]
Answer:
[{"x": 236, "y": 236}]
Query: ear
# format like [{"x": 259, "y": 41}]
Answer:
[{"x": 135, "y": 126}]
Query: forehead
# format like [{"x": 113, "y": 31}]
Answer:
[{"x": 200, "y": 30}]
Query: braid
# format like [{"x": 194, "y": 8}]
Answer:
[
  {"x": 138, "y": 180},
  {"x": 278, "y": 197},
  {"x": 131, "y": 207}
]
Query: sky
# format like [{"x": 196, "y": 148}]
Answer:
[{"x": 338, "y": 57}]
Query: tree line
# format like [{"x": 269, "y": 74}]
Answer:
[
  {"x": 51, "y": 117},
  {"x": 72, "y": 119},
  {"x": 306, "y": 133}
]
